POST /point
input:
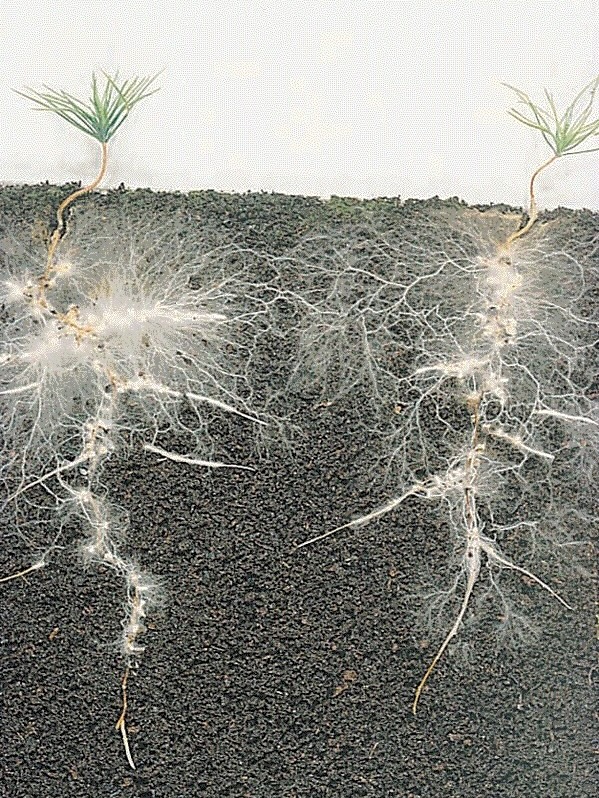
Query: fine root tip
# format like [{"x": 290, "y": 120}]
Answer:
[
  {"x": 419, "y": 689},
  {"x": 121, "y": 725},
  {"x": 35, "y": 567},
  {"x": 310, "y": 541}
]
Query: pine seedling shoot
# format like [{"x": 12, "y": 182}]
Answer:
[
  {"x": 563, "y": 133},
  {"x": 100, "y": 117}
]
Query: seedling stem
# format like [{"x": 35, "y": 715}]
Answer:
[
  {"x": 57, "y": 234},
  {"x": 532, "y": 207}
]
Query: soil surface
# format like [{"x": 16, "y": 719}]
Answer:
[{"x": 271, "y": 672}]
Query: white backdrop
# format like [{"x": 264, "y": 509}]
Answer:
[{"x": 359, "y": 98}]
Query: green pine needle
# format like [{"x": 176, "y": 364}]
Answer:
[
  {"x": 566, "y": 132},
  {"x": 106, "y": 109}
]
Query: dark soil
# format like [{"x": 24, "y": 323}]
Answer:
[{"x": 271, "y": 672}]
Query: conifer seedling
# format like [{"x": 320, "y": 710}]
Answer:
[
  {"x": 118, "y": 335},
  {"x": 100, "y": 117},
  {"x": 483, "y": 331},
  {"x": 564, "y": 134}
]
